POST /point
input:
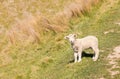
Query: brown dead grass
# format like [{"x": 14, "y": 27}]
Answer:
[
  {"x": 5, "y": 59},
  {"x": 78, "y": 7},
  {"x": 46, "y": 60},
  {"x": 32, "y": 28}
]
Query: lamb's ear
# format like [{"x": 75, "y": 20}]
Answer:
[
  {"x": 65, "y": 37},
  {"x": 75, "y": 35}
]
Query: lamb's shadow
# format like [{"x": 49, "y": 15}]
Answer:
[{"x": 84, "y": 54}]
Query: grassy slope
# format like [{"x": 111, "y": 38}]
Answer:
[{"x": 53, "y": 60}]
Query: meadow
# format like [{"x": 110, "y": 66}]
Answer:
[{"x": 32, "y": 44}]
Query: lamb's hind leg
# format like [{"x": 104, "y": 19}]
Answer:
[
  {"x": 96, "y": 51},
  {"x": 79, "y": 56}
]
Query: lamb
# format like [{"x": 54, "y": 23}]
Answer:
[{"x": 78, "y": 45}]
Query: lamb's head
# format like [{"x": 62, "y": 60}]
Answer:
[{"x": 71, "y": 37}]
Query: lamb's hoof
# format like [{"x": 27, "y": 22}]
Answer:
[
  {"x": 94, "y": 59},
  {"x": 75, "y": 61},
  {"x": 79, "y": 61}
]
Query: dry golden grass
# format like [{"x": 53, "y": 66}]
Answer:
[
  {"x": 78, "y": 7},
  {"x": 4, "y": 57},
  {"x": 32, "y": 28},
  {"x": 74, "y": 9}
]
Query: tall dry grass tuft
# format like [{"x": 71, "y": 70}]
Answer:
[
  {"x": 25, "y": 30},
  {"x": 32, "y": 28},
  {"x": 74, "y": 9},
  {"x": 77, "y": 8}
]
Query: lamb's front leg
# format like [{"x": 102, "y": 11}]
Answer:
[
  {"x": 79, "y": 56},
  {"x": 96, "y": 50},
  {"x": 75, "y": 57}
]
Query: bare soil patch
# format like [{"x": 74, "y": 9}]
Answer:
[{"x": 113, "y": 57}]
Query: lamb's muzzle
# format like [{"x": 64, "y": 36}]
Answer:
[{"x": 79, "y": 45}]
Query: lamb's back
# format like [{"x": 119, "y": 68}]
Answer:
[{"x": 86, "y": 42}]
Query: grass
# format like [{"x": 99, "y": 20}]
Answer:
[
  {"x": 53, "y": 58},
  {"x": 30, "y": 22}
]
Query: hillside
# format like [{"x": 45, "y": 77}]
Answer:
[{"x": 32, "y": 40}]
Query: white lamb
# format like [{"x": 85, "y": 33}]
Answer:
[{"x": 79, "y": 45}]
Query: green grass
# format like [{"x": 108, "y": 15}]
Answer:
[{"x": 53, "y": 58}]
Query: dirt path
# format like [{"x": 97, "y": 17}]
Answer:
[
  {"x": 112, "y": 58},
  {"x": 115, "y": 55}
]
